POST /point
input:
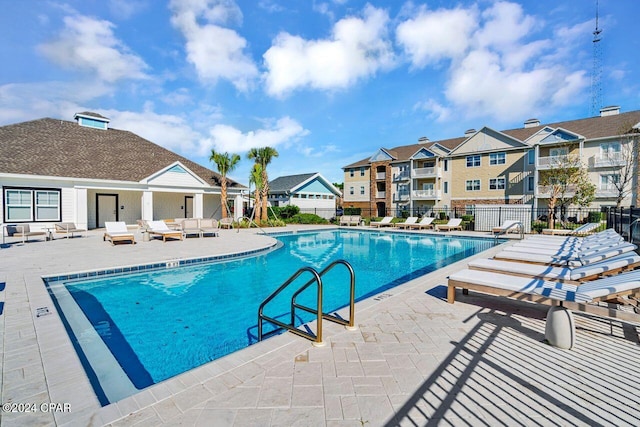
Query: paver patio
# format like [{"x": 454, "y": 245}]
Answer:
[{"x": 415, "y": 360}]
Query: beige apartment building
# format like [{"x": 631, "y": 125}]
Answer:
[{"x": 490, "y": 167}]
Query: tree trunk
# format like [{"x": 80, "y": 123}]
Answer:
[
  {"x": 223, "y": 197},
  {"x": 256, "y": 205},
  {"x": 265, "y": 192}
]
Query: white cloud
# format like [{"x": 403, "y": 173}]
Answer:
[
  {"x": 88, "y": 44},
  {"x": 499, "y": 66},
  {"x": 215, "y": 51},
  {"x": 357, "y": 49},
  {"x": 125, "y": 9},
  {"x": 229, "y": 138},
  {"x": 433, "y": 36}
]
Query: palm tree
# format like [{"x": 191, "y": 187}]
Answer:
[
  {"x": 225, "y": 163},
  {"x": 263, "y": 157},
  {"x": 256, "y": 178}
]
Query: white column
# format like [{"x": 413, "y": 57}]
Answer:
[
  {"x": 147, "y": 205},
  {"x": 81, "y": 208},
  {"x": 198, "y": 205},
  {"x": 237, "y": 207}
]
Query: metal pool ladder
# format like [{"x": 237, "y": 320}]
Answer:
[{"x": 320, "y": 315}]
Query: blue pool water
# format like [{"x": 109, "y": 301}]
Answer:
[{"x": 161, "y": 323}]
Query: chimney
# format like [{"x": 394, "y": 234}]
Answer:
[
  {"x": 469, "y": 132},
  {"x": 611, "y": 110},
  {"x": 423, "y": 140},
  {"x": 531, "y": 123}
]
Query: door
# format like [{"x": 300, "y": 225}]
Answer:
[
  {"x": 381, "y": 208},
  {"x": 106, "y": 209},
  {"x": 188, "y": 206}
]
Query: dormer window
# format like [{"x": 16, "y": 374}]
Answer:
[{"x": 92, "y": 120}]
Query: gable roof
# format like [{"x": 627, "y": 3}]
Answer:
[
  {"x": 283, "y": 184},
  {"x": 61, "y": 148}
]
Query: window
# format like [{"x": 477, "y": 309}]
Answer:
[
  {"x": 351, "y": 173},
  {"x": 496, "y": 184},
  {"x": 446, "y": 165},
  {"x": 497, "y": 159},
  {"x": 530, "y": 182},
  {"x": 473, "y": 161},
  {"x": 351, "y": 191},
  {"x": 531, "y": 156},
  {"x": 609, "y": 181},
  {"x": 361, "y": 171},
  {"x": 362, "y": 191},
  {"x": 27, "y": 204},
  {"x": 446, "y": 187},
  {"x": 473, "y": 185}
]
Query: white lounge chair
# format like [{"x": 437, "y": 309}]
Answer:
[
  {"x": 509, "y": 225},
  {"x": 425, "y": 222},
  {"x": 117, "y": 232},
  {"x": 608, "y": 266},
  {"x": 563, "y": 250},
  {"x": 573, "y": 260},
  {"x": 453, "y": 224},
  {"x": 583, "y": 229},
  {"x": 412, "y": 220},
  {"x": 160, "y": 228},
  {"x": 384, "y": 222},
  {"x": 560, "y": 327}
]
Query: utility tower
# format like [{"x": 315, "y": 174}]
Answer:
[{"x": 596, "y": 72}]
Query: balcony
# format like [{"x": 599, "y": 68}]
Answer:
[
  {"x": 426, "y": 194},
  {"x": 381, "y": 194},
  {"x": 544, "y": 191},
  {"x": 551, "y": 162},
  {"x": 402, "y": 196},
  {"x": 607, "y": 160},
  {"x": 402, "y": 176},
  {"x": 381, "y": 175},
  {"x": 607, "y": 191},
  {"x": 433, "y": 172}
]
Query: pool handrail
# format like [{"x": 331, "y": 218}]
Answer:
[
  {"x": 349, "y": 324},
  {"x": 317, "y": 338}
]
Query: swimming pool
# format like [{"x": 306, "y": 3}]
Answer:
[{"x": 158, "y": 323}]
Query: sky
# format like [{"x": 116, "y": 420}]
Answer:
[{"x": 325, "y": 83}]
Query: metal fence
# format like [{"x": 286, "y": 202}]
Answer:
[{"x": 626, "y": 221}]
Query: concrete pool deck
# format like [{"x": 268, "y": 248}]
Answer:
[{"x": 414, "y": 360}]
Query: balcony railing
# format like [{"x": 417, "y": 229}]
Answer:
[
  {"x": 545, "y": 190},
  {"x": 381, "y": 194},
  {"x": 425, "y": 194},
  {"x": 402, "y": 176},
  {"x": 608, "y": 160},
  {"x": 381, "y": 175},
  {"x": 609, "y": 190},
  {"x": 426, "y": 172},
  {"x": 555, "y": 161},
  {"x": 401, "y": 196}
]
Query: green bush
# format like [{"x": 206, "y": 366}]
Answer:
[
  {"x": 307, "y": 218},
  {"x": 284, "y": 211},
  {"x": 352, "y": 211},
  {"x": 538, "y": 226},
  {"x": 467, "y": 218},
  {"x": 442, "y": 215},
  {"x": 595, "y": 216}
]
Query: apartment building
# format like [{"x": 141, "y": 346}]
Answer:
[{"x": 488, "y": 166}]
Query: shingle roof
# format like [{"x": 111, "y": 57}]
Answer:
[
  {"x": 62, "y": 148},
  {"x": 590, "y": 128},
  {"x": 285, "y": 183}
]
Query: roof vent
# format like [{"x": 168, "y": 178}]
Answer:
[
  {"x": 469, "y": 132},
  {"x": 531, "y": 123},
  {"x": 611, "y": 110},
  {"x": 91, "y": 120},
  {"x": 423, "y": 140}
]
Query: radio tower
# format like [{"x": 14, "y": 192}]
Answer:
[{"x": 596, "y": 73}]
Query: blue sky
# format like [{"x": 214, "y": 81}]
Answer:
[{"x": 324, "y": 82}]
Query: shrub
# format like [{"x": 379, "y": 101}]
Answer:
[
  {"x": 284, "y": 211},
  {"x": 442, "y": 215},
  {"x": 595, "y": 216},
  {"x": 352, "y": 211},
  {"x": 307, "y": 218},
  {"x": 538, "y": 226},
  {"x": 467, "y": 218}
]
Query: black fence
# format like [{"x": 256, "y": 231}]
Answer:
[{"x": 626, "y": 221}]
